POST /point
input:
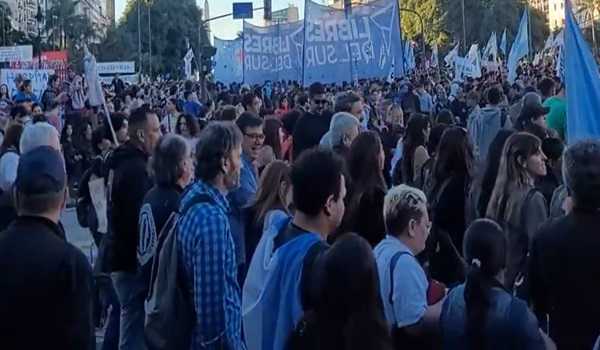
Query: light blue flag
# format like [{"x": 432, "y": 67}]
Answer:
[
  {"x": 520, "y": 47},
  {"x": 582, "y": 82},
  {"x": 503, "y": 43}
]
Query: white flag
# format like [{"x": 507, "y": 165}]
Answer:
[
  {"x": 491, "y": 49},
  {"x": 549, "y": 42},
  {"x": 449, "y": 59},
  {"x": 187, "y": 60},
  {"x": 559, "y": 40},
  {"x": 473, "y": 62},
  {"x": 434, "y": 56}
]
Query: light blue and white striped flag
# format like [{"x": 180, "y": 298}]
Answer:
[
  {"x": 520, "y": 47},
  {"x": 491, "y": 49},
  {"x": 582, "y": 82}
]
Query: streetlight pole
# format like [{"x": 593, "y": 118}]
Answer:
[
  {"x": 422, "y": 25},
  {"x": 464, "y": 25},
  {"x": 149, "y": 41},
  {"x": 139, "y": 25},
  {"x": 39, "y": 18}
]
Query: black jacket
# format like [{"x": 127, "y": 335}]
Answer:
[
  {"x": 563, "y": 278},
  {"x": 309, "y": 130},
  {"x": 130, "y": 182},
  {"x": 45, "y": 289}
]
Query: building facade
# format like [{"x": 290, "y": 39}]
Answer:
[
  {"x": 110, "y": 12},
  {"x": 339, "y": 4},
  {"x": 286, "y": 15}
]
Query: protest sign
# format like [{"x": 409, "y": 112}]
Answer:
[{"x": 38, "y": 77}]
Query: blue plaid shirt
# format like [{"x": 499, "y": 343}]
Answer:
[{"x": 207, "y": 251}]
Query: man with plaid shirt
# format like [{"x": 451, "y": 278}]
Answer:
[{"x": 205, "y": 243}]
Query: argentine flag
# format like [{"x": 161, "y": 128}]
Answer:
[{"x": 520, "y": 47}]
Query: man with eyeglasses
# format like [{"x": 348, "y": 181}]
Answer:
[
  {"x": 311, "y": 127},
  {"x": 251, "y": 126}
]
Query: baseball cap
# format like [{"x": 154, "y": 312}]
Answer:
[{"x": 41, "y": 171}]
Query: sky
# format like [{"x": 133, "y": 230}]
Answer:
[{"x": 228, "y": 28}]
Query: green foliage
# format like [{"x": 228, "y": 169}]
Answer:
[
  {"x": 443, "y": 20},
  {"x": 171, "y": 23},
  {"x": 8, "y": 35}
]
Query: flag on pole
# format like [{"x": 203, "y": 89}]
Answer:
[
  {"x": 503, "y": 43},
  {"x": 409, "y": 57},
  {"x": 187, "y": 60},
  {"x": 559, "y": 40},
  {"x": 582, "y": 82},
  {"x": 491, "y": 49},
  {"x": 449, "y": 59},
  {"x": 520, "y": 47},
  {"x": 434, "y": 56},
  {"x": 95, "y": 93},
  {"x": 473, "y": 63},
  {"x": 560, "y": 63},
  {"x": 549, "y": 42}
]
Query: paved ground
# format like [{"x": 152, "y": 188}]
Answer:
[{"x": 81, "y": 238}]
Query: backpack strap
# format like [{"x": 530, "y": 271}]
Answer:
[{"x": 393, "y": 263}]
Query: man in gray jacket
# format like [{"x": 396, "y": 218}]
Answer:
[{"x": 484, "y": 123}]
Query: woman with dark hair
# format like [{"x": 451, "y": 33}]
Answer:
[
  {"x": 289, "y": 124},
  {"x": 188, "y": 127},
  {"x": 450, "y": 179},
  {"x": 445, "y": 116},
  {"x": 271, "y": 149},
  {"x": 84, "y": 145},
  {"x": 283, "y": 106},
  {"x": 424, "y": 176},
  {"x": 415, "y": 148},
  {"x": 516, "y": 203},
  {"x": 481, "y": 189},
  {"x": 9, "y": 156},
  {"x": 273, "y": 198},
  {"x": 481, "y": 313},
  {"x": 73, "y": 159},
  {"x": 172, "y": 113},
  {"x": 4, "y": 93},
  {"x": 121, "y": 126},
  {"x": 348, "y": 314},
  {"x": 367, "y": 188}
]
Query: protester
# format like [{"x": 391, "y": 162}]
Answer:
[
  {"x": 403, "y": 283},
  {"x": 367, "y": 188},
  {"x": 273, "y": 198},
  {"x": 282, "y": 279},
  {"x": 451, "y": 176},
  {"x": 121, "y": 126},
  {"x": 172, "y": 170},
  {"x": 239, "y": 198},
  {"x": 348, "y": 312},
  {"x": 533, "y": 120},
  {"x": 252, "y": 103},
  {"x": 25, "y": 93},
  {"x": 342, "y": 132},
  {"x": 515, "y": 202},
  {"x": 9, "y": 157},
  {"x": 564, "y": 256},
  {"x": 557, "y": 117},
  {"x": 313, "y": 124},
  {"x": 485, "y": 123},
  {"x": 271, "y": 149},
  {"x": 46, "y": 282},
  {"x": 73, "y": 159},
  {"x": 415, "y": 149},
  {"x": 483, "y": 185},
  {"x": 171, "y": 118},
  {"x": 130, "y": 182},
  {"x": 210, "y": 268},
  {"x": 481, "y": 313},
  {"x": 188, "y": 127},
  {"x": 350, "y": 102}
]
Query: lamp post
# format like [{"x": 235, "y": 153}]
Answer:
[
  {"x": 39, "y": 18},
  {"x": 464, "y": 25}
]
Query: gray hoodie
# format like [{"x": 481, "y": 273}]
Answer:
[{"x": 483, "y": 126}]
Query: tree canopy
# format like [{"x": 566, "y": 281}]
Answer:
[
  {"x": 172, "y": 25},
  {"x": 443, "y": 20}
]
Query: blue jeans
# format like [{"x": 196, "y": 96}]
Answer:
[{"x": 131, "y": 292}]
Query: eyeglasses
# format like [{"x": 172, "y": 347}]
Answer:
[{"x": 256, "y": 137}]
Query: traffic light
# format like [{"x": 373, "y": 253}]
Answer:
[
  {"x": 348, "y": 7},
  {"x": 268, "y": 10}
]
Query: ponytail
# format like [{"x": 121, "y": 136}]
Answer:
[{"x": 477, "y": 301}]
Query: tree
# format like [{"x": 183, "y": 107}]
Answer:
[
  {"x": 171, "y": 23},
  {"x": 66, "y": 28},
  {"x": 591, "y": 8},
  {"x": 8, "y": 35}
]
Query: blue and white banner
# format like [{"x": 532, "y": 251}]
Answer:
[
  {"x": 490, "y": 53},
  {"x": 273, "y": 53},
  {"x": 504, "y": 44},
  {"x": 341, "y": 47},
  {"x": 582, "y": 82},
  {"x": 229, "y": 61},
  {"x": 451, "y": 56}
]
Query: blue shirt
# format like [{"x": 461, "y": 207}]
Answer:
[
  {"x": 192, "y": 108},
  {"x": 239, "y": 199},
  {"x": 206, "y": 249},
  {"x": 426, "y": 102},
  {"x": 509, "y": 324},
  {"x": 410, "y": 284}
]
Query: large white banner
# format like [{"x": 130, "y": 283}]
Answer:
[
  {"x": 21, "y": 53},
  {"x": 38, "y": 77},
  {"x": 125, "y": 67}
]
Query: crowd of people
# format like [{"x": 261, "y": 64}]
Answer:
[{"x": 409, "y": 213}]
